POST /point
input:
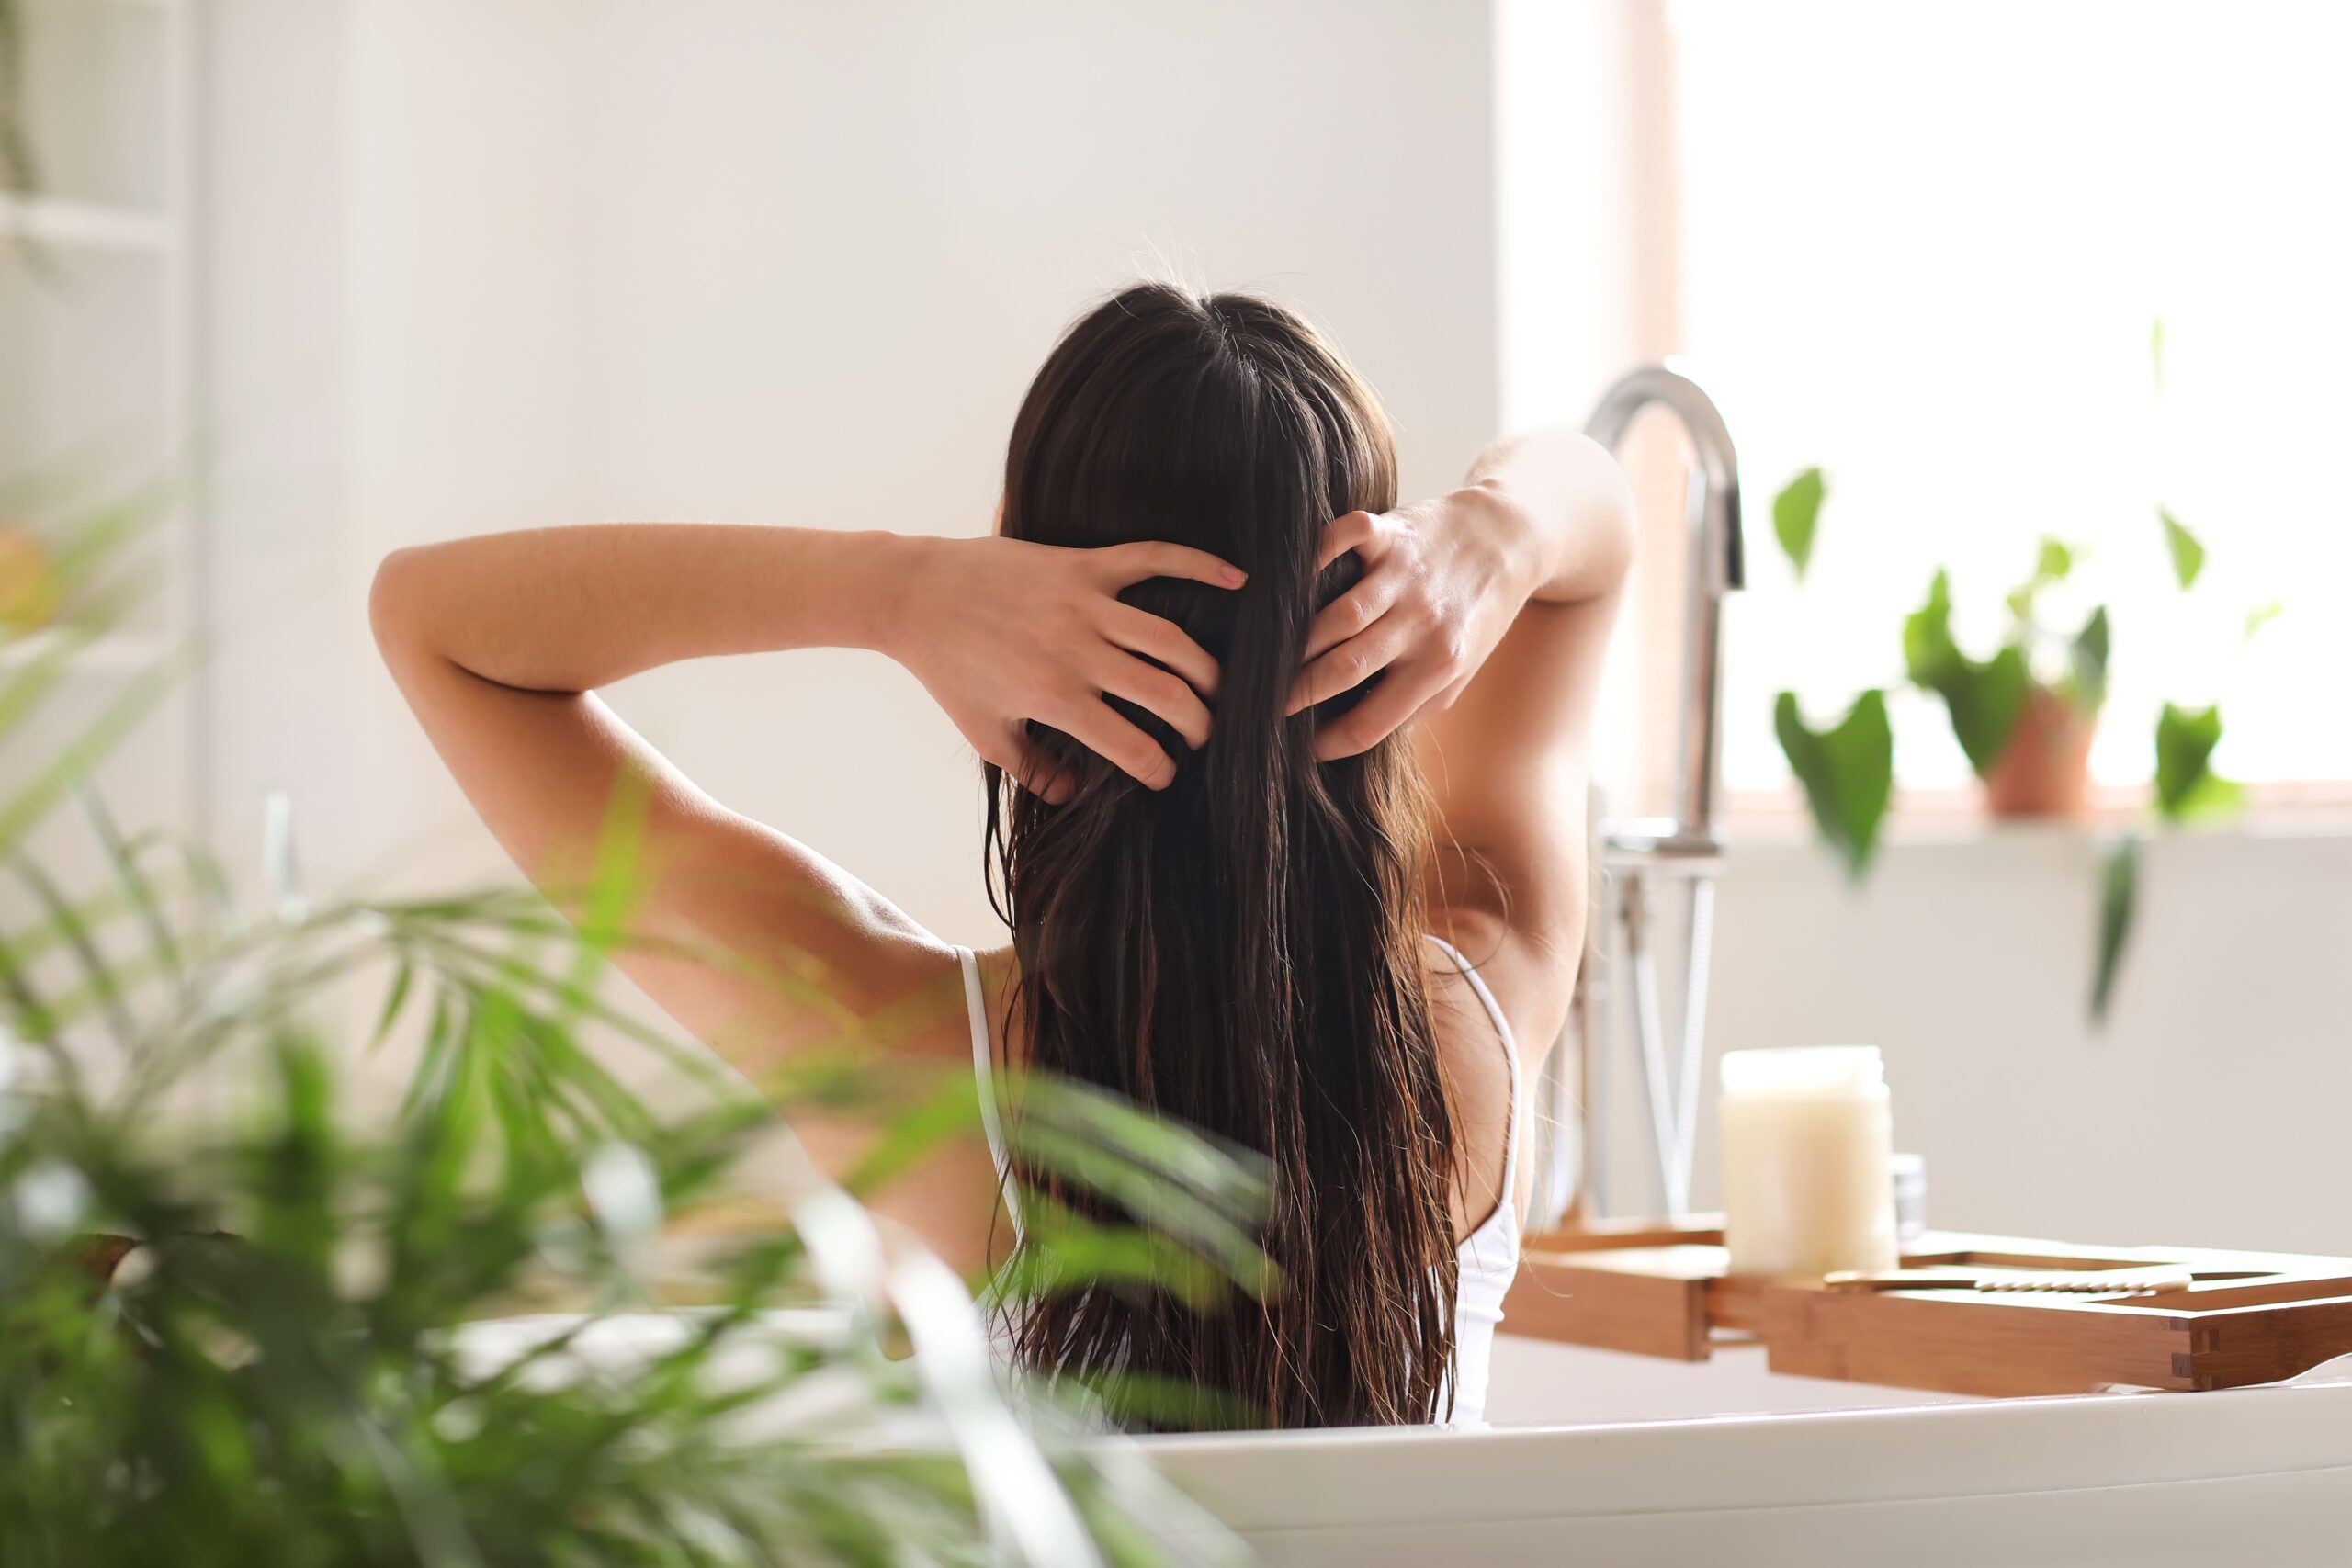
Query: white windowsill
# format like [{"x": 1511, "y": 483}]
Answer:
[{"x": 1946, "y": 818}]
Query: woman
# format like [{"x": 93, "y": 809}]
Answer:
[{"x": 1267, "y": 754}]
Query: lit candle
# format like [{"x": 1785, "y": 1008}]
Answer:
[{"x": 1808, "y": 1146}]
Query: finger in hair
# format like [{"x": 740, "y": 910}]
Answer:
[
  {"x": 1033, "y": 771},
  {"x": 1350, "y": 665},
  {"x": 1385, "y": 710},
  {"x": 1155, "y": 636},
  {"x": 1144, "y": 558},
  {"x": 1159, "y": 692},
  {"x": 1122, "y": 745},
  {"x": 1351, "y": 611},
  {"x": 1354, "y": 531}
]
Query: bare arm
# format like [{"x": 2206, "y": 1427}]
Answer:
[
  {"x": 1508, "y": 760},
  {"x": 498, "y": 643},
  {"x": 567, "y": 610},
  {"x": 1487, "y": 612}
]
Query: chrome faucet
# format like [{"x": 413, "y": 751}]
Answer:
[{"x": 1633, "y": 856}]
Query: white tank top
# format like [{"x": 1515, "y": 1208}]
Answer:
[{"x": 1489, "y": 1256}]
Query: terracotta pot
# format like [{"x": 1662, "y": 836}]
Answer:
[{"x": 2046, "y": 770}]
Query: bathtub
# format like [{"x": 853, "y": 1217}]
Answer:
[
  {"x": 1658, "y": 1462},
  {"x": 1601, "y": 1458}
]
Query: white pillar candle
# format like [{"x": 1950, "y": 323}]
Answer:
[{"x": 1807, "y": 1145}]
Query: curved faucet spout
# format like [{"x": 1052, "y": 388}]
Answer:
[
  {"x": 1716, "y": 568},
  {"x": 1641, "y": 853}
]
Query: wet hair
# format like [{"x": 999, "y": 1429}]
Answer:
[{"x": 1242, "y": 950}]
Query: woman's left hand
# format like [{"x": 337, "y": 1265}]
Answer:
[
  {"x": 1005, "y": 631},
  {"x": 1444, "y": 580}
]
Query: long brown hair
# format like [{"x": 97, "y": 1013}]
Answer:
[{"x": 1242, "y": 950}]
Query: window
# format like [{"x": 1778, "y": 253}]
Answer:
[{"x": 1923, "y": 246}]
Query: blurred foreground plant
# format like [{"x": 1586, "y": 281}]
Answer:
[
  {"x": 238, "y": 1333},
  {"x": 19, "y": 170}
]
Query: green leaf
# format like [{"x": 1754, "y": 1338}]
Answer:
[
  {"x": 2187, "y": 554},
  {"x": 1928, "y": 651},
  {"x": 1985, "y": 709},
  {"x": 138, "y": 889},
  {"x": 2215, "y": 796},
  {"x": 1796, "y": 512},
  {"x": 104, "y": 979},
  {"x": 1847, "y": 772},
  {"x": 2262, "y": 616},
  {"x": 2087, "y": 657},
  {"x": 2119, "y": 897},
  {"x": 1175, "y": 1403},
  {"x": 2187, "y": 785},
  {"x": 1984, "y": 699},
  {"x": 395, "y": 997},
  {"x": 77, "y": 759},
  {"x": 2054, "y": 560}
]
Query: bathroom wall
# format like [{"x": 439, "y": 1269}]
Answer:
[
  {"x": 483, "y": 264},
  {"x": 2208, "y": 1111},
  {"x": 774, "y": 262}
]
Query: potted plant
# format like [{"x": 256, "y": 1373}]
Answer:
[{"x": 2025, "y": 715}]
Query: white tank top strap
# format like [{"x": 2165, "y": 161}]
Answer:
[
  {"x": 976, "y": 1008},
  {"x": 1489, "y": 1255},
  {"x": 1510, "y": 1057}
]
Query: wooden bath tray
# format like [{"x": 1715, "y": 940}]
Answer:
[{"x": 1660, "y": 1289}]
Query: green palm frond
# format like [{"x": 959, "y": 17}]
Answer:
[{"x": 301, "y": 1361}]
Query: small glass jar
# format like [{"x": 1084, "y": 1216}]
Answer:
[
  {"x": 1808, "y": 1142},
  {"x": 1910, "y": 1198}
]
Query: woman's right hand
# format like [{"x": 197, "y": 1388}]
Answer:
[{"x": 1003, "y": 631}]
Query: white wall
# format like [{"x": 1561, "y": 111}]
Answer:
[
  {"x": 283, "y": 674},
  {"x": 778, "y": 263}
]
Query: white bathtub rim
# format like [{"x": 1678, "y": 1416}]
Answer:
[
  {"x": 1815, "y": 1459},
  {"x": 1353, "y": 1478}
]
